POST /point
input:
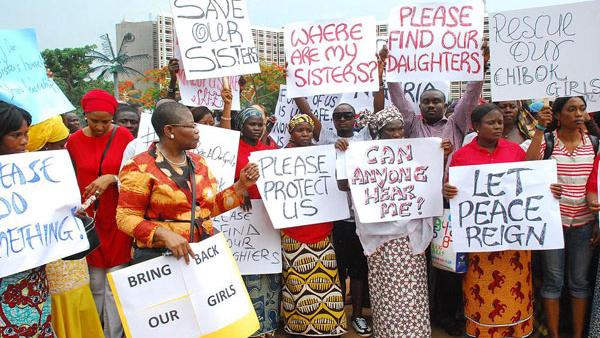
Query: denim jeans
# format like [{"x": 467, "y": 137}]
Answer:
[{"x": 574, "y": 260}]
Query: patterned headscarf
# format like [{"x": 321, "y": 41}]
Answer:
[
  {"x": 49, "y": 131},
  {"x": 247, "y": 113},
  {"x": 297, "y": 119},
  {"x": 379, "y": 119}
]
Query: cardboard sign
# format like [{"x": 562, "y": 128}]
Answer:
[
  {"x": 546, "y": 52},
  {"x": 205, "y": 92},
  {"x": 298, "y": 186},
  {"x": 505, "y": 206},
  {"x": 166, "y": 297},
  {"x": 398, "y": 179},
  {"x": 215, "y": 38},
  {"x": 255, "y": 244},
  {"x": 321, "y": 105},
  {"x": 436, "y": 40},
  {"x": 329, "y": 57},
  {"x": 23, "y": 79},
  {"x": 443, "y": 254},
  {"x": 146, "y": 134},
  {"x": 38, "y": 198},
  {"x": 219, "y": 147}
]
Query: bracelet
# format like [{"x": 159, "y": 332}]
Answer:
[
  {"x": 540, "y": 127},
  {"x": 226, "y": 118}
]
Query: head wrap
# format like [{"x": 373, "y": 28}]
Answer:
[
  {"x": 247, "y": 113},
  {"x": 98, "y": 100},
  {"x": 49, "y": 131},
  {"x": 536, "y": 106},
  {"x": 299, "y": 118},
  {"x": 381, "y": 118}
]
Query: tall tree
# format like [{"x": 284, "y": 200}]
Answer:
[
  {"x": 115, "y": 63},
  {"x": 71, "y": 69}
]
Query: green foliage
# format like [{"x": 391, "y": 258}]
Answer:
[
  {"x": 71, "y": 69},
  {"x": 263, "y": 88}
]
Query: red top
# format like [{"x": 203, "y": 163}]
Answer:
[
  {"x": 86, "y": 151},
  {"x": 474, "y": 154},
  {"x": 592, "y": 182},
  {"x": 244, "y": 151}
]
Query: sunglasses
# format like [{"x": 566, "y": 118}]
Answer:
[
  {"x": 343, "y": 116},
  {"x": 190, "y": 126}
]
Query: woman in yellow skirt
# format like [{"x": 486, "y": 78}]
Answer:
[{"x": 74, "y": 312}]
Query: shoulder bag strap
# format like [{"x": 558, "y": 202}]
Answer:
[{"x": 110, "y": 139}]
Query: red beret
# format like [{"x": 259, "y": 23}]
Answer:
[{"x": 98, "y": 100}]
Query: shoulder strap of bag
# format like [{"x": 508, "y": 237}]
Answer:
[
  {"x": 193, "y": 187},
  {"x": 549, "y": 139},
  {"x": 595, "y": 143},
  {"x": 112, "y": 136},
  {"x": 110, "y": 139}
]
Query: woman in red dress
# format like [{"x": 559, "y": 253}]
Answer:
[{"x": 96, "y": 152}]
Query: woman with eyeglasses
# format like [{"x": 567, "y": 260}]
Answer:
[
  {"x": 96, "y": 152},
  {"x": 158, "y": 185}
]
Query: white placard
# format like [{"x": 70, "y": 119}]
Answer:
[
  {"x": 215, "y": 38},
  {"x": 505, "y": 206},
  {"x": 38, "y": 198},
  {"x": 436, "y": 40},
  {"x": 146, "y": 134},
  {"x": 205, "y": 92},
  {"x": 219, "y": 147},
  {"x": 255, "y": 244},
  {"x": 398, "y": 179},
  {"x": 298, "y": 186},
  {"x": 546, "y": 52},
  {"x": 321, "y": 105},
  {"x": 205, "y": 298},
  {"x": 330, "y": 57}
]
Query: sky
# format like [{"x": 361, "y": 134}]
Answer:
[{"x": 75, "y": 23}]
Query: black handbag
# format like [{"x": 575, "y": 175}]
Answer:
[
  {"x": 89, "y": 223},
  {"x": 143, "y": 254}
]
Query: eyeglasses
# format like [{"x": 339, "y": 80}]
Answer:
[
  {"x": 344, "y": 116},
  {"x": 190, "y": 126}
]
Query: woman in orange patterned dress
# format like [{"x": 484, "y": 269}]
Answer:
[{"x": 156, "y": 197}]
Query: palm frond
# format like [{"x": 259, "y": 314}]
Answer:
[
  {"x": 107, "y": 46},
  {"x": 129, "y": 70},
  {"x": 103, "y": 73},
  {"x": 97, "y": 56},
  {"x": 133, "y": 58}
]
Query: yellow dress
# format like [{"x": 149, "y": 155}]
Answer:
[{"x": 74, "y": 312}]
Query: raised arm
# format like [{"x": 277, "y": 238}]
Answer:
[
  {"x": 173, "y": 70},
  {"x": 536, "y": 148},
  {"x": 465, "y": 106},
  {"x": 227, "y": 97}
]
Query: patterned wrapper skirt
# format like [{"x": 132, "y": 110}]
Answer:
[
  {"x": 25, "y": 305},
  {"x": 398, "y": 291},
  {"x": 313, "y": 304},
  {"x": 498, "y": 294},
  {"x": 265, "y": 291},
  {"x": 595, "y": 319}
]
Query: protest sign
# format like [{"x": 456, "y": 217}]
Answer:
[
  {"x": 362, "y": 101},
  {"x": 322, "y": 106},
  {"x": 539, "y": 53},
  {"x": 329, "y": 57},
  {"x": 38, "y": 198},
  {"x": 23, "y": 79},
  {"x": 215, "y": 38},
  {"x": 205, "y": 92},
  {"x": 505, "y": 206},
  {"x": 255, "y": 244},
  {"x": 443, "y": 254},
  {"x": 436, "y": 40},
  {"x": 219, "y": 147},
  {"x": 146, "y": 133},
  {"x": 399, "y": 179},
  {"x": 298, "y": 186},
  {"x": 166, "y": 296}
]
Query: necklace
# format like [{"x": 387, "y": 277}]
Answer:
[{"x": 180, "y": 164}]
